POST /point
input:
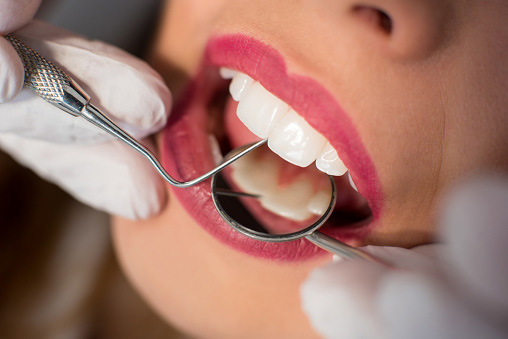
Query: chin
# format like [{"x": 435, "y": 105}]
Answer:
[{"x": 206, "y": 288}]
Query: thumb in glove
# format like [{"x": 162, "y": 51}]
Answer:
[{"x": 453, "y": 290}]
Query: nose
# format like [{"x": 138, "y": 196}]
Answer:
[{"x": 403, "y": 28}]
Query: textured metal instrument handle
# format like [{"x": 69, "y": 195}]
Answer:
[
  {"x": 49, "y": 81},
  {"x": 41, "y": 76}
]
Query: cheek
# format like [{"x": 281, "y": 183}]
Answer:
[
  {"x": 185, "y": 28},
  {"x": 204, "y": 287},
  {"x": 401, "y": 123}
]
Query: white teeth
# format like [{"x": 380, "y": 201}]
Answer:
[
  {"x": 289, "y": 202},
  {"x": 227, "y": 73},
  {"x": 289, "y": 135},
  {"x": 319, "y": 203},
  {"x": 329, "y": 162},
  {"x": 240, "y": 85},
  {"x": 261, "y": 181},
  {"x": 294, "y": 201},
  {"x": 351, "y": 182},
  {"x": 295, "y": 141},
  {"x": 215, "y": 148},
  {"x": 260, "y": 110}
]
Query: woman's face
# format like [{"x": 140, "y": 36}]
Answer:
[{"x": 410, "y": 93}]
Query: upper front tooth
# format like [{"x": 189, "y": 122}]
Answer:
[
  {"x": 227, "y": 73},
  {"x": 295, "y": 141},
  {"x": 240, "y": 84},
  {"x": 289, "y": 135},
  {"x": 352, "y": 182},
  {"x": 329, "y": 162},
  {"x": 260, "y": 110}
]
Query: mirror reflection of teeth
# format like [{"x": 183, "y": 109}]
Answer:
[
  {"x": 289, "y": 135},
  {"x": 297, "y": 201}
]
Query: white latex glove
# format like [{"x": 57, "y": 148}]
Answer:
[
  {"x": 92, "y": 166},
  {"x": 455, "y": 290}
]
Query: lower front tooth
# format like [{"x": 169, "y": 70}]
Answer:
[
  {"x": 255, "y": 177},
  {"x": 215, "y": 148},
  {"x": 329, "y": 162},
  {"x": 258, "y": 176},
  {"x": 319, "y": 203},
  {"x": 294, "y": 140},
  {"x": 290, "y": 202}
]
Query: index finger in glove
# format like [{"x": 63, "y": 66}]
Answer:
[{"x": 125, "y": 88}]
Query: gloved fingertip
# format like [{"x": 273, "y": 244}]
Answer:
[
  {"x": 480, "y": 201},
  {"x": 144, "y": 193},
  {"x": 475, "y": 227},
  {"x": 338, "y": 298},
  {"x": 139, "y": 203},
  {"x": 12, "y": 73},
  {"x": 142, "y": 210}
]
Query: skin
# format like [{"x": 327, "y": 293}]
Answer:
[{"x": 427, "y": 98}]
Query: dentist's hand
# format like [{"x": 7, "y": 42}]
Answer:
[
  {"x": 454, "y": 290},
  {"x": 92, "y": 166}
]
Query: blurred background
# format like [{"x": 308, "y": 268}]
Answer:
[{"x": 59, "y": 277}]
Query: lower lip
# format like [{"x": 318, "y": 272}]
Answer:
[{"x": 186, "y": 154}]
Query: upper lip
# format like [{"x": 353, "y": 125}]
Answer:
[
  {"x": 307, "y": 97},
  {"x": 185, "y": 141}
]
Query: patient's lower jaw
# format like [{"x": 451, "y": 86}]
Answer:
[{"x": 205, "y": 288}]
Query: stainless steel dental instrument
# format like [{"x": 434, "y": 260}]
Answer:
[
  {"x": 56, "y": 87},
  {"x": 228, "y": 211}
]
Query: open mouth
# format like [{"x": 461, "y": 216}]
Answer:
[{"x": 304, "y": 125}]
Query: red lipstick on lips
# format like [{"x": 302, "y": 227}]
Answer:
[{"x": 186, "y": 151}]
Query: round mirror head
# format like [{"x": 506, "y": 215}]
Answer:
[{"x": 266, "y": 198}]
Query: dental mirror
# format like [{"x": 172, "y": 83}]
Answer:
[{"x": 267, "y": 199}]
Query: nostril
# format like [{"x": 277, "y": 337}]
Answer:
[{"x": 375, "y": 17}]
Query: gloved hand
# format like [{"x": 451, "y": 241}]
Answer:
[
  {"x": 92, "y": 166},
  {"x": 457, "y": 289}
]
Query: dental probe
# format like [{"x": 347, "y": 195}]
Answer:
[{"x": 59, "y": 89}]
